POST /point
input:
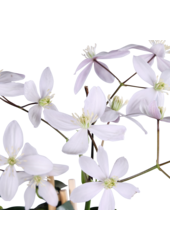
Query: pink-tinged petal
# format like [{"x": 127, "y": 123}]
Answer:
[
  {"x": 109, "y": 115},
  {"x": 126, "y": 190},
  {"x": 48, "y": 193},
  {"x": 108, "y": 132},
  {"x": 30, "y": 92},
  {"x": 13, "y": 139},
  {"x": 23, "y": 177},
  {"x": 35, "y": 115},
  {"x": 163, "y": 64},
  {"x": 46, "y": 82},
  {"x": 3, "y": 160},
  {"x": 58, "y": 169},
  {"x": 29, "y": 197},
  {"x": 8, "y": 183},
  {"x": 154, "y": 110},
  {"x": 86, "y": 192},
  {"x": 160, "y": 98},
  {"x": 117, "y": 120},
  {"x": 12, "y": 84},
  {"x": 113, "y": 54},
  {"x": 147, "y": 58},
  {"x": 90, "y": 167},
  {"x": 81, "y": 74},
  {"x": 135, "y": 46},
  {"x": 95, "y": 102},
  {"x": 78, "y": 144},
  {"x": 133, "y": 106},
  {"x": 102, "y": 73},
  {"x": 120, "y": 168},
  {"x": 35, "y": 164},
  {"x": 138, "y": 124},
  {"x": 166, "y": 119},
  {"x": 60, "y": 120},
  {"x": 107, "y": 201},
  {"x": 144, "y": 70},
  {"x": 102, "y": 159}
]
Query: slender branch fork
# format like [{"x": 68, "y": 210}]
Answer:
[{"x": 126, "y": 83}]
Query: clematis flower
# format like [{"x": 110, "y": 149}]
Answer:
[
  {"x": 159, "y": 49},
  {"x": 29, "y": 160},
  {"x": 7, "y": 85},
  {"x": 107, "y": 181},
  {"x": 94, "y": 108},
  {"x": 45, "y": 189},
  {"x": 45, "y": 98},
  {"x": 159, "y": 87},
  {"x": 92, "y": 58},
  {"x": 112, "y": 113}
]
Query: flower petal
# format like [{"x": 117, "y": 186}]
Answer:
[
  {"x": 166, "y": 119},
  {"x": 12, "y": 84},
  {"x": 86, "y": 192},
  {"x": 144, "y": 70},
  {"x": 102, "y": 73},
  {"x": 165, "y": 76},
  {"x": 153, "y": 110},
  {"x": 158, "y": 50},
  {"x": 58, "y": 169},
  {"x": 90, "y": 167},
  {"x": 102, "y": 159},
  {"x": 107, "y": 201},
  {"x": 51, "y": 106},
  {"x": 108, "y": 132},
  {"x": 163, "y": 64},
  {"x": 138, "y": 124},
  {"x": 133, "y": 106},
  {"x": 135, "y": 46},
  {"x": 147, "y": 58},
  {"x": 113, "y": 54},
  {"x": 28, "y": 150},
  {"x": 110, "y": 115},
  {"x": 3, "y": 160},
  {"x": 78, "y": 144},
  {"x": 35, "y": 115},
  {"x": 8, "y": 183},
  {"x": 35, "y": 164},
  {"x": 46, "y": 82},
  {"x": 13, "y": 139},
  {"x": 126, "y": 190},
  {"x": 60, "y": 120},
  {"x": 81, "y": 73},
  {"x": 95, "y": 102},
  {"x": 30, "y": 92},
  {"x": 29, "y": 197},
  {"x": 120, "y": 168},
  {"x": 23, "y": 177},
  {"x": 48, "y": 193}
]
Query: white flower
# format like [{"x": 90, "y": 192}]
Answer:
[
  {"x": 112, "y": 113},
  {"x": 7, "y": 85},
  {"x": 29, "y": 160},
  {"x": 107, "y": 181},
  {"x": 45, "y": 189},
  {"x": 45, "y": 98},
  {"x": 92, "y": 58},
  {"x": 94, "y": 107}
]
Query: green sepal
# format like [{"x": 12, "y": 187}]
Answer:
[{"x": 84, "y": 177}]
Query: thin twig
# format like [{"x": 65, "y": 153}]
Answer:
[
  {"x": 133, "y": 86},
  {"x": 92, "y": 141},
  {"x": 164, "y": 172},
  {"x": 33, "y": 103}
]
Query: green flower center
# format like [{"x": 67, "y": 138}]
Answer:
[
  {"x": 110, "y": 182},
  {"x": 37, "y": 179},
  {"x": 90, "y": 52},
  {"x": 48, "y": 99},
  {"x": 160, "y": 86},
  {"x": 12, "y": 161},
  {"x": 162, "y": 111}
]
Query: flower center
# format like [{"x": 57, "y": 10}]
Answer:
[
  {"x": 110, "y": 182},
  {"x": 85, "y": 120},
  {"x": 160, "y": 86},
  {"x": 46, "y": 100},
  {"x": 12, "y": 161},
  {"x": 117, "y": 103},
  {"x": 37, "y": 179},
  {"x": 90, "y": 52}
]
